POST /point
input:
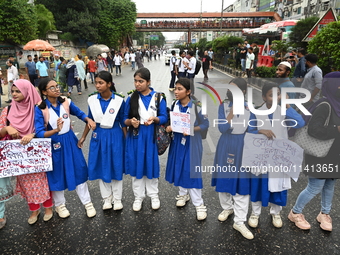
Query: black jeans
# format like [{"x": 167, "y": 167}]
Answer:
[{"x": 172, "y": 81}]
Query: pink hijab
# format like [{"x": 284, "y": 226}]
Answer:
[{"x": 21, "y": 114}]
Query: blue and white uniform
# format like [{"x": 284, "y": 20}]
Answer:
[
  {"x": 230, "y": 181},
  {"x": 69, "y": 166},
  {"x": 106, "y": 154},
  {"x": 185, "y": 153},
  {"x": 141, "y": 152}
]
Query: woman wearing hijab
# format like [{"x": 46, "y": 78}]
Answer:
[
  {"x": 17, "y": 122},
  {"x": 322, "y": 172},
  {"x": 72, "y": 77}
]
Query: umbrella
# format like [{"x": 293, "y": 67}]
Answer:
[
  {"x": 96, "y": 49},
  {"x": 38, "y": 45}
]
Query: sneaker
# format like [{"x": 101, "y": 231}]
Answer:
[
  {"x": 253, "y": 220},
  {"x": 155, "y": 203},
  {"x": 107, "y": 203},
  {"x": 90, "y": 211},
  {"x": 117, "y": 205},
  {"x": 243, "y": 230},
  {"x": 201, "y": 212},
  {"x": 325, "y": 220},
  {"x": 182, "y": 200},
  {"x": 137, "y": 204},
  {"x": 223, "y": 216},
  {"x": 62, "y": 211},
  {"x": 299, "y": 220},
  {"x": 276, "y": 220}
]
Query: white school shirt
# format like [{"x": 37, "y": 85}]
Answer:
[
  {"x": 133, "y": 57},
  {"x": 192, "y": 65},
  {"x": 172, "y": 60},
  {"x": 181, "y": 67}
]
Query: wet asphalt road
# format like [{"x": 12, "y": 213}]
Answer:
[{"x": 169, "y": 230}]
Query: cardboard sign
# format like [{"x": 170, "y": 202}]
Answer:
[
  {"x": 277, "y": 155},
  {"x": 18, "y": 159},
  {"x": 180, "y": 122}
]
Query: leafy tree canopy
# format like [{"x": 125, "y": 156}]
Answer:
[
  {"x": 78, "y": 17},
  {"x": 18, "y": 21},
  {"x": 224, "y": 43},
  {"x": 300, "y": 30},
  {"x": 326, "y": 45},
  {"x": 45, "y": 20},
  {"x": 117, "y": 20}
]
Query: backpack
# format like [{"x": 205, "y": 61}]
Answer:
[
  {"x": 198, "y": 67},
  {"x": 163, "y": 139}
]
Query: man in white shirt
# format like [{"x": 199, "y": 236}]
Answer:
[
  {"x": 12, "y": 75},
  {"x": 250, "y": 62},
  {"x": 181, "y": 70},
  {"x": 191, "y": 66},
  {"x": 133, "y": 60},
  {"x": 173, "y": 60},
  {"x": 118, "y": 62}
]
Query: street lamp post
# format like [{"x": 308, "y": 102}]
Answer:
[
  {"x": 221, "y": 17},
  {"x": 201, "y": 21}
]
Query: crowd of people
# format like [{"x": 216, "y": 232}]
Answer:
[
  {"x": 123, "y": 140},
  {"x": 72, "y": 72},
  {"x": 246, "y": 23}
]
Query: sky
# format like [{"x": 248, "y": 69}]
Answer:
[{"x": 180, "y": 6}]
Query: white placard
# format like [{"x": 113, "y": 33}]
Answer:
[
  {"x": 180, "y": 122},
  {"x": 18, "y": 159},
  {"x": 277, "y": 155}
]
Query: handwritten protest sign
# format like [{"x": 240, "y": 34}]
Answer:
[
  {"x": 18, "y": 159},
  {"x": 277, "y": 155},
  {"x": 180, "y": 122}
]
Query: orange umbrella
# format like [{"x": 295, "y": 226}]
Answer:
[{"x": 38, "y": 45}]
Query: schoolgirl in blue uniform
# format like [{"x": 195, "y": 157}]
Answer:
[
  {"x": 260, "y": 194},
  {"x": 52, "y": 120},
  {"x": 235, "y": 183},
  {"x": 186, "y": 152},
  {"x": 141, "y": 152},
  {"x": 106, "y": 154}
]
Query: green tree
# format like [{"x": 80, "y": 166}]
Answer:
[
  {"x": 326, "y": 45},
  {"x": 78, "y": 17},
  {"x": 18, "y": 21},
  {"x": 300, "y": 30},
  {"x": 117, "y": 20},
  {"x": 280, "y": 46},
  {"x": 45, "y": 20},
  {"x": 224, "y": 43}
]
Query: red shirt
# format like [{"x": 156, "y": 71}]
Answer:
[{"x": 92, "y": 66}]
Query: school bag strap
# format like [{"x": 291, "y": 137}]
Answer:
[
  {"x": 130, "y": 92},
  {"x": 118, "y": 94}
]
